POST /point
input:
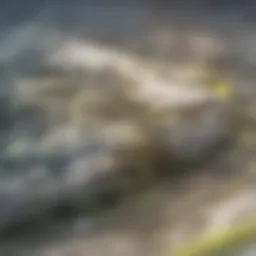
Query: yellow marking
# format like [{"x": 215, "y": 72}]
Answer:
[
  {"x": 223, "y": 242},
  {"x": 223, "y": 90}
]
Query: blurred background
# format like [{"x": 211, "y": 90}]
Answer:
[{"x": 127, "y": 127}]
